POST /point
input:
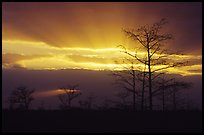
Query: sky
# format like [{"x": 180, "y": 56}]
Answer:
[{"x": 45, "y": 36}]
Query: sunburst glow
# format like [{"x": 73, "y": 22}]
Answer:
[
  {"x": 83, "y": 36},
  {"x": 34, "y": 55}
]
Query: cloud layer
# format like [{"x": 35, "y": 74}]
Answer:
[{"x": 98, "y": 25}]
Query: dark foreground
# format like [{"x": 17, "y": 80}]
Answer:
[{"x": 80, "y": 121}]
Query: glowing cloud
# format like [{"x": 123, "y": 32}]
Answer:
[{"x": 85, "y": 35}]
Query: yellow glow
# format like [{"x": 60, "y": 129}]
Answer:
[
  {"x": 54, "y": 92},
  {"x": 78, "y": 36},
  {"x": 45, "y": 57},
  {"x": 72, "y": 91}
]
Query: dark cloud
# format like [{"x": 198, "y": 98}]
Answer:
[
  {"x": 186, "y": 23},
  {"x": 9, "y": 58},
  {"x": 198, "y": 71},
  {"x": 99, "y": 24},
  {"x": 194, "y": 61}
]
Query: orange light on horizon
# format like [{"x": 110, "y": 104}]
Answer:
[
  {"x": 67, "y": 90},
  {"x": 54, "y": 92}
]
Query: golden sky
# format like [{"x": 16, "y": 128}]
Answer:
[{"x": 70, "y": 35}]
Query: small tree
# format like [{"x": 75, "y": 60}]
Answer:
[
  {"x": 70, "y": 92},
  {"x": 88, "y": 103},
  {"x": 168, "y": 90},
  {"x": 162, "y": 87},
  {"x": 126, "y": 79},
  {"x": 132, "y": 81},
  {"x": 176, "y": 87},
  {"x": 41, "y": 106},
  {"x": 21, "y": 97}
]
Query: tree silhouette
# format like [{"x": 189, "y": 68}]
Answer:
[
  {"x": 176, "y": 87},
  {"x": 156, "y": 57},
  {"x": 41, "y": 106},
  {"x": 70, "y": 92},
  {"x": 163, "y": 85},
  {"x": 167, "y": 90},
  {"x": 88, "y": 103},
  {"x": 126, "y": 79},
  {"x": 22, "y": 97},
  {"x": 132, "y": 80},
  {"x": 141, "y": 77}
]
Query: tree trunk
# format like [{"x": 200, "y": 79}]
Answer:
[
  {"x": 143, "y": 87},
  {"x": 69, "y": 103},
  {"x": 174, "y": 100},
  {"x": 134, "y": 91},
  {"x": 163, "y": 97},
  {"x": 150, "y": 79}
]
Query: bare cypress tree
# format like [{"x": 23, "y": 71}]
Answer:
[
  {"x": 89, "y": 102},
  {"x": 176, "y": 87},
  {"x": 163, "y": 84},
  {"x": 142, "y": 78},
  {"x": 152, "y": 41},
  {"x": 168, "y": 89},
  {"x": 22, "y": 97},
  {"x": 126, "y": 79},
  {"x": 132, "y": 80},
  {"x": 70, "y": 92}
]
